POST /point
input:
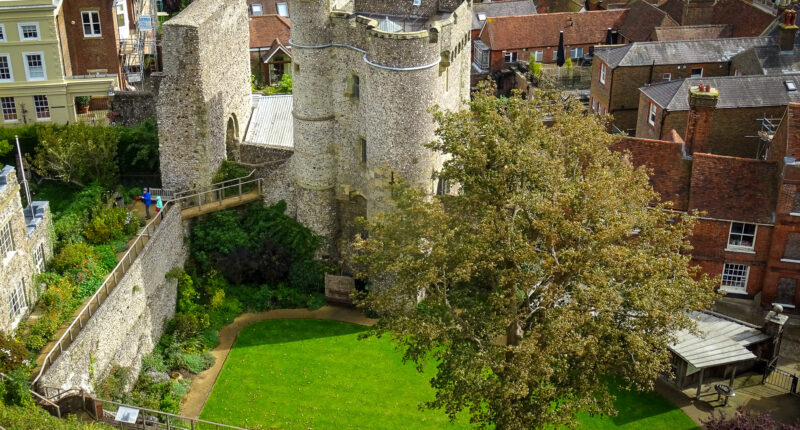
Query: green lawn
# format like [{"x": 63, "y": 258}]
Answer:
[{"x": 300, "y": 374}]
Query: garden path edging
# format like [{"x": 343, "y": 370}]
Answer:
[{"x": 202, "y": 384}]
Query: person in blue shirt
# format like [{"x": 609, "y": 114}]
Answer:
[{"x": 147, "y": 201}]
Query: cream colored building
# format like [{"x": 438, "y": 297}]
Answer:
[{"x": 36, "y": 80}]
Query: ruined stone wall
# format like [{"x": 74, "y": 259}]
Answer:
[
  {"x": 130, "y": 322},
  {"x": 400, "y": 77},
  {"x": 206, "y": 83},
  {"x": 133, "y": 107},
  {"x": 272, "y": 164}
]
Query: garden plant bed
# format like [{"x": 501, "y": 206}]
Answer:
[{"x": 317, "y": 374}]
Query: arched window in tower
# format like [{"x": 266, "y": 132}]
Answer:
[{"x": 353, "y": 90}]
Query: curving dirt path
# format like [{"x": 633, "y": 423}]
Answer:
[{"x": 192, "y": 405}]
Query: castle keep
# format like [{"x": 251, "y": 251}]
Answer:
[{"x": 366, "y": 73}]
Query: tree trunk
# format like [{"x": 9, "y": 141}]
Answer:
[{"x": 514, "y": 335}]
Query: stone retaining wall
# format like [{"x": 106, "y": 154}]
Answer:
[{"x": 130, "y": 322}]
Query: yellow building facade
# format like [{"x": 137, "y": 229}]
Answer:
[{"x": 36, "y": 81}]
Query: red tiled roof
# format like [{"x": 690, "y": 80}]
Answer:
[
  {"x": 265, "y": 29},
  {"x": 674, "y": 8},
  {"x": 670, "y": 173},
  {"x": 642, "y": 19},
  {"x": 694, "y": 32},
  {"x": 748, "y": 20},
  {"x": 529, "y": 31},
  {"x": 741, "y": 189}
]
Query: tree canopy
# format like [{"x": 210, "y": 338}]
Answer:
[
  {"x": 553, "y": 269},
  {"x": 76, "y": 153}
]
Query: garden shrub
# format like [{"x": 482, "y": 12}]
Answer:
[
  {"x": 34, "y": 418},
  {"x": 13, "y": 354},
  {"x": 73, "y": 256},
  {"x": 110, "y": 224},
  {"x": 15, "y": 390},
  {"x": 138, "y": 147},
  {"x": 154, "y": 362},
  {"x": 114, "y": 385},
  {"x": 229, "y": 170}
]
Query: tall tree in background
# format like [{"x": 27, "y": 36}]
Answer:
[
  {"x": 553, "y": 269},
  {"x": 76, "y": 154}
]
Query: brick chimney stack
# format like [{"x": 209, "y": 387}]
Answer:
[
  {"x": 702, "y": 104},
  {"x": 787, "y": 30}
]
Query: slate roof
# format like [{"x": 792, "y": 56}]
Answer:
[
  {"x": 505, "y": 8},
  {"x": 642, "y": 19},
  {"x": 734, "y": 91},
  {"x": 265, "y": 29},
  {"x": 694, "y": 32},
  {"x": 677, "y": 52},
  {"x": 271, "y": 123},
  {"x": 528, "y": 31},
  {"x": 721, "y": 340},
  {"x": 741, "y": 189},
  {"x": 558, "y": 6},
  {"x": 769, "y": 60}
]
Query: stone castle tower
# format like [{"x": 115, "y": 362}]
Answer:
[{"x": 366, "y": 73}]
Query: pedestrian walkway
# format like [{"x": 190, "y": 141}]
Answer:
[{"x": 192, "y": 405}]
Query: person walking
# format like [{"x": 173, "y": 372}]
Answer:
[
  {"x": 159, "y": 206},
  {"x": 147, "y": 202}
]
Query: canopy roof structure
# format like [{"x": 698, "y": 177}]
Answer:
[
  {"x": 719, "y": 341},
  {"x": 271, "y": 123}
]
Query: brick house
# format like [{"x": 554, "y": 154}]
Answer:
[
  {"x": 619, "y": 71},
  {"x": 270, "y": 51},
  {"x": 744, "y": 102},
  {"x": 777, "y": 58},
  {"x": 94, "y": 30},
  {"x": 745, "y": 232}
]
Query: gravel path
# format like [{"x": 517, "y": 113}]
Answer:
[{"x": 192, "y": 405}]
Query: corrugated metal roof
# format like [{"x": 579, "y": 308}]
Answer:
[
  {"x": 271, "y": 123},
  {"x": 719, "y": 341},
  {"x": 734, "y": 91},
  {"x": 679, "y": 51}
]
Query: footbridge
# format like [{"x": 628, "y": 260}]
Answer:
[{"x": 191, "y": 204}]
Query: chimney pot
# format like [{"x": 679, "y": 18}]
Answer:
[{"x": 787, "y": 30}]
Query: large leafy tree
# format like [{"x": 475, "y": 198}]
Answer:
[
  {"x": 551, "y": 271},
  {"x": 76, "y": 153}
]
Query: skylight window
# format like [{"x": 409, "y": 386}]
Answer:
[
  {"x": 481, "y": 17},
  {"x": 790, "y": 85}
]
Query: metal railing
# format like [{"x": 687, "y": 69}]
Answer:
[
  {"x": 100, "y": 296},
  {"x": 153, "y": 419},
  {"x": 215, "y": 186},
  {"x": 40, "y": 398},
  {"x": 781, "y": 379},
  {"x": 215, "y": 194}
]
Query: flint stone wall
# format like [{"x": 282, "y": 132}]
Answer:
[
  {"x": 133, "y": 107},
  {"x": 130, "y": 322},
  {"x": 206, "y": 82}
]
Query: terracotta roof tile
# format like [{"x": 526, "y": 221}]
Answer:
[
  {"x": 670, "y": 173},
  {"x": 733, "y": 188},
  {"x": 642, "y": 19},
  {"x": 529, "y": 31},
  {"x": 265, "y": 29},
  {"x": 694, "y": 32}
]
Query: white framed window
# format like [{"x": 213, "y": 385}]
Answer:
[
  {"x": 38, "y": 258},
  {"x": 29, "y": 31},
  {"x": 734, "y": 277},
  {"x": 666, "y": 77},
  {"x": 283, "y": 9},
  {"x": 697, "y": 72},
  {"x": 651, "y": 116},
  {"x": 256, "y": 9},
  {"x": 417, "y": 2},
  {"x": 576, "y": 53},
  {"x": 742, "y": 235},
  {"x": 17, "y": 303},
  {"x": 602, "y": 73},
  {"x": 6, "y": 240},
  {"x": 555, "y": 55},
  {"x": 537, "y": 55},
  {"x": 9, "y": 108},
  {"x": 6, "y": 74},
  {"x": 91, "y": 23},
  {"x": 737, "y": 72},
  {"x": 2, "y": 32},
  {"x": 34, "y": 66},
  {"x": 481, "y": 16},
  {"x": 511, "y": 57},
  {"x": 42, "y": 107}
]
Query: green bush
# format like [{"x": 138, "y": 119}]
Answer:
[
  {"x": 13, "y": 355},
  {"x": 110, "y": 224},
  {"x": 34, "y": 418},
  {"x": 154, "y": 362},
  {"x": 113, "y": 386},
  {"x": 138, "y": 147},
  {"x": 15, "y": 389},
  {"x": 230, "y": 170}
]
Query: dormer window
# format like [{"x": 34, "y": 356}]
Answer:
[
  {"x": 283, "y": 9},
  {"x": 256, "y": 10}
]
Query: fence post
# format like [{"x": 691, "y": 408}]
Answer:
[{"x": 240, "y": 189}]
